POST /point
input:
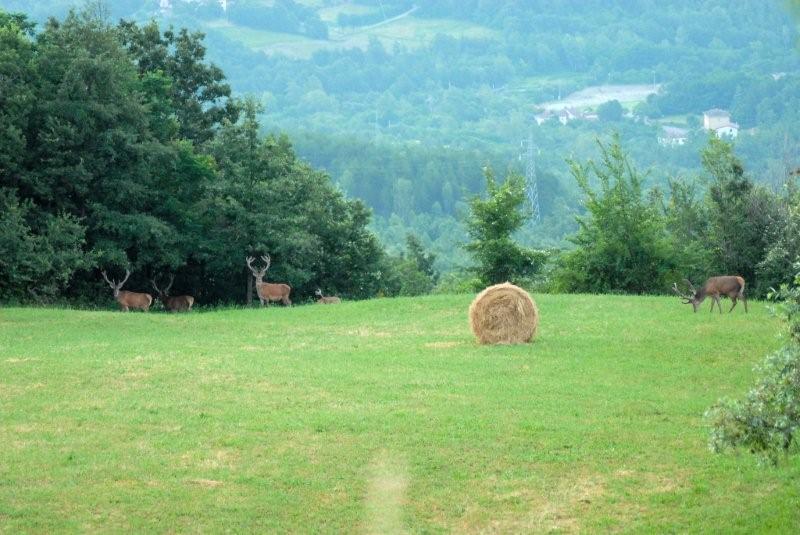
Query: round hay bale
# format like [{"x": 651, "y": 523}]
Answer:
[{"x": 503, "y": 314}]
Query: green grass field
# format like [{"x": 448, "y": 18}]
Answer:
[{"x": 381, "y": 416}]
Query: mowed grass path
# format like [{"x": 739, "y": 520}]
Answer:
[{"x": 382, "y": 416}]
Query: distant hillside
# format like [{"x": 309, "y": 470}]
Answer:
[{"x": 469, "y": 75}]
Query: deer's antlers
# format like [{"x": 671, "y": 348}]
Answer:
[
  {"x": 686, "y": 297},
  {"x": 171, "y": 279},
  {"x": 257, "y": 272},
  {"x": 165, "y": 291},
  {"x": 249, "y": 261},
  {"x": 114, "y": 284}
]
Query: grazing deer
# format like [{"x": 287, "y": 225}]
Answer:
[
  {"x": 178, "y": 303},
  {"x": 715, "y": 287},
  {"x": 128, "y": 300},
  {"x": 326, "y": 300},
  {"x": 266, "y": 291}
]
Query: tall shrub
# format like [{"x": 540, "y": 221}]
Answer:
[
  {"x": 491, "y": 225},
  {"x": 622, "y": 244}
]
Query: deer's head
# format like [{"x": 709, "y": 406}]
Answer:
[
  {"x": 114, "y": 286},
  {"x": 259, "y": 273},
  {"x": 165, "y": 292},
  {"x": 690, "y": 297}
]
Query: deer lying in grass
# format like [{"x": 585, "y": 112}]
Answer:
[
  {"x": 715, "y": 287},
  {"x": 266, "y": 291},
  {"x": 128, "y": 300},
  {"x": 178, "y": 303},
  {"x": 326, "y": 300}
]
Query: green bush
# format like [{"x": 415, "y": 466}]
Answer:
[
  {"x": 766, "y": 421},
  {"x": 491, "y": 225},
  {"x": 622, "y": 243}
]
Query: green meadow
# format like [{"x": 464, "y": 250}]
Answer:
[{"x": 382, "y": 416}]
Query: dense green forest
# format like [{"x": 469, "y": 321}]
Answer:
[{"x": 121, "y": 148}]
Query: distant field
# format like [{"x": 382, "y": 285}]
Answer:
[
  {"x": 681, "y": 120},
  {"x": 408, "y": 31},
  {"x": 629, "y": 95},
  {"x": 381, "y": 416},
  {"x": 257, "y": 39},
  {"x": 331, "y": 14}
]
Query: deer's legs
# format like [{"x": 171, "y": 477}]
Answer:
[
  {"x": 733, "y": 305},
  {"x": 744, "y": 300}
]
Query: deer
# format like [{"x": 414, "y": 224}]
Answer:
[
  {"x": 128, "y": 300},
  {"x": 178, "y": 303},
  {"x": 267, "y": 291},
  {"x": 332, "y": 300},
  {"x": 715, "y": 287}
]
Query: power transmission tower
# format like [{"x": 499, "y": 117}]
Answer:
[{"x": 531, "y": 183}]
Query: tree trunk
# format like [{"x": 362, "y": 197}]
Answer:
[{"x": 249, "y": 299}]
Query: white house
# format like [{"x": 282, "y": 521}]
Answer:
[
  {"x": 543, "y": 117},
  {"x": 719, "y": 121}
]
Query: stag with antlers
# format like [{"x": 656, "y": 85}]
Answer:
[
  {"x": 178, "y": 303},
  {"x": 715, "y": 287},
  {"x": 126, "y": 299},
  {"x": 266, "y": 291}
]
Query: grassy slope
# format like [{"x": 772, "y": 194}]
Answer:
[
  {"x": 380, "y": 415},
  {"x": 409, "y": 31}
]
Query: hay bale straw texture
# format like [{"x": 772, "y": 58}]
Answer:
[{"x": 503, "y": 314}]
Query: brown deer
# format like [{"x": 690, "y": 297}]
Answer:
[
  {"x": 715, "y": 287},
  {"x": 128, "y": 300},
  {"x": 178, "y": 303},
  {"x": 326, "y": 300},
  {"x": 266, "y": 291}
]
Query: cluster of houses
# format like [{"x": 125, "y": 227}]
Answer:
[
  {"x": 564, "y": 115},
  {"x": 714, "y": 120}
]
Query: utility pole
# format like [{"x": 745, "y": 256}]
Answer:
[{"x": 531, "y": 183}]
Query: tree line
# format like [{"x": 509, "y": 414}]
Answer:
[
  {"x": 122, "y": 148},
  {"x": 638, "y": 240}
]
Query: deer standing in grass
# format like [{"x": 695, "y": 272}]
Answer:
[
  {"x": 178, "y": 303},
  {"x": 267, "y": 291},
  {"x": 715, "y": 287},
  {"x": 126, "y": 299},
  {"x": 323, "y": 300}
]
